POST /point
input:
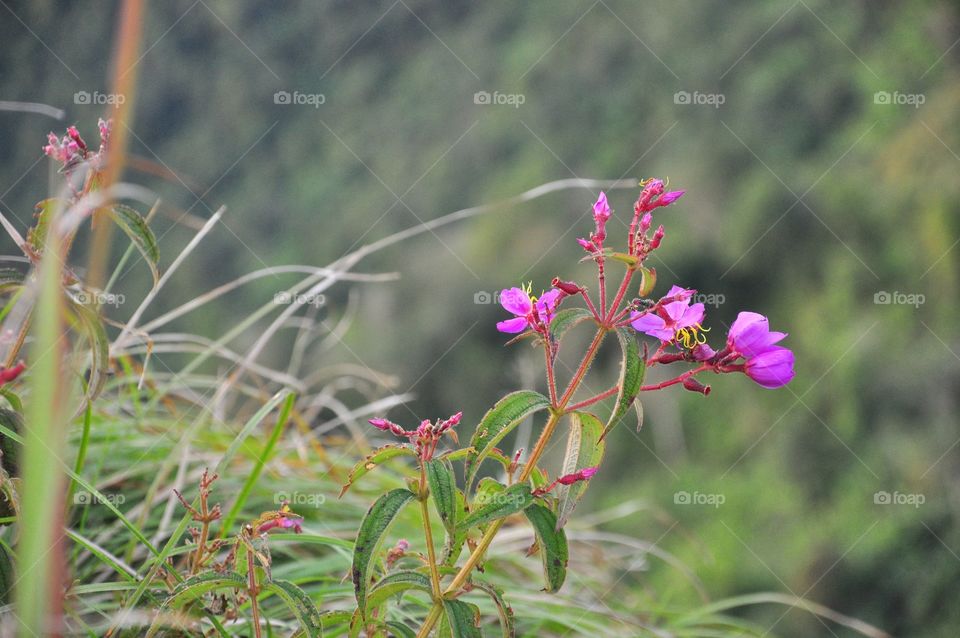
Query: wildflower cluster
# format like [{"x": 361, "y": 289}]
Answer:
[
  {"x": 472, "y": 513},
  {"x": 71, "y": 149}
]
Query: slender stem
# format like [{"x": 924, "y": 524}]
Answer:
[
  {"x": 600, "y": 397},
  {"x": 590, "y": 306},
  {"x": 551, "y": 377},
  {"x": 428, "y": 534},
  {"x": 621, "y": 292},
  {"x": 601, "y": 275},
  {"x": 558, "y": 410},
  {"x": 253, "y": 591},
  {"x": 680, "y": 379},
  {"x": 582, "y": 369}
]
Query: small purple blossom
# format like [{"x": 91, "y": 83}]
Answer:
[
  {"x": 772, "y": 368},
  {"x": 668, "y": 318},
  {"x": 750, "y": 335},
  {"x": 529, "y": 313}
]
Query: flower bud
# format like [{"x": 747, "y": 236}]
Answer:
[
  {"x": 657, "y": 238},
  {"x": 567, "y": 287},
  {"x": 695, "y": 386}
]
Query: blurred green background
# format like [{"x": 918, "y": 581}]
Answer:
[{"x": 819, "y": 144}]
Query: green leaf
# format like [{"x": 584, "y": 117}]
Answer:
[
  {"x": 499, "y": 421},
  {"x": 584, "y": 449},
  {"x": 566, "y": 319},
  {"x": 136, "y": 228},
  {"x": 374, "y": 460},
  {"x": 510, "y": 501},
  {"x": 632, "y": 369},
  {"x": 443, "y": 489},
  {"x": 201, "y": 584},
  {"x": 454, "y": 542},
  {"x": 37, "y": 236},
  {"x": 504, "y": 610},
  {"x": 400, "y": 630},
  {"x": 10, "y": 278},
  {"x": 372, "y": 529},
  {"x": 90, "y": 323},
  {"x": 553, "y": 545},
  {"x": 395, "y": 584},
  {"x": 300, "y": 604},
  {"x": 462, "y": 619},
  {"x": 8, "y": 576},
  {"x": 193, "y": 588},
  {"x": 10, "y": 448}
]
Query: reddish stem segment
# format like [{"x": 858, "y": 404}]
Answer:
[
  {"x": 600, "y": 397},
  {"x": 675, "y": 380}
]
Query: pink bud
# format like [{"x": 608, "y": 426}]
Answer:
[
  {"x": 657, "y": 238},
  {"x": 587, "y": 245},
  {"x": 645, "y": 222},
  {"x": 9, "y": 374},
  {"x": 668, "y": 198},
  {"x": 695, "y": 386},
  {"x": 582, "y": 475},
  {"x": 568, "y": 287}
]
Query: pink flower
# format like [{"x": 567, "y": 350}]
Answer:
[
  {"x": 750, "y": 335},
  {"x": 772, "y": 368},
  {"x": 601, "y": 213},
  {"x": 583, "y": 475},
  {"x": 653, "y": 196},
  {"x": 669, "y": 317},
  {"x": 529, "y": 313}
]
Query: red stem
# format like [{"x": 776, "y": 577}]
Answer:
[
  {"x": 676, "y": 380},
  {"x": 600, "y": 397}
]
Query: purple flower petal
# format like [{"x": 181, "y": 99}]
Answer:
[
  {"x": 771, "y": 369},
  {"x": 547, "y": 305},
  {"x": 516, "y": 300},
  {"x": 517, "y": 324},
  {"x": 750, "y": 335},
  {"x": 652, "y": 325}
]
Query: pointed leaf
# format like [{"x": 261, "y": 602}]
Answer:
[
  {"x": 462, "y": 619},
  {"x": 90, "y": 323},
  {"x": 300, "y": 604},
  {"x": 553, "y": 545},
  {"x": 399, "y": 630},
  {"x": 395, "y": 584},
  {"x": 196, "y": 586},
  {"x": 566, "y": 319},
  {"x": 372, "y": 529},
  {"x": 499, "y": 421},
  {"x": 443, "y": 489},
  {"x": 632, "y": 369},
  {"x": 135, "y": 226},
  {"x": 510, "y": 501},
  {"x": 584, "y": 449},
  {"x": 504, "y": 610},
  {"x": 374, "y": 460}
]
